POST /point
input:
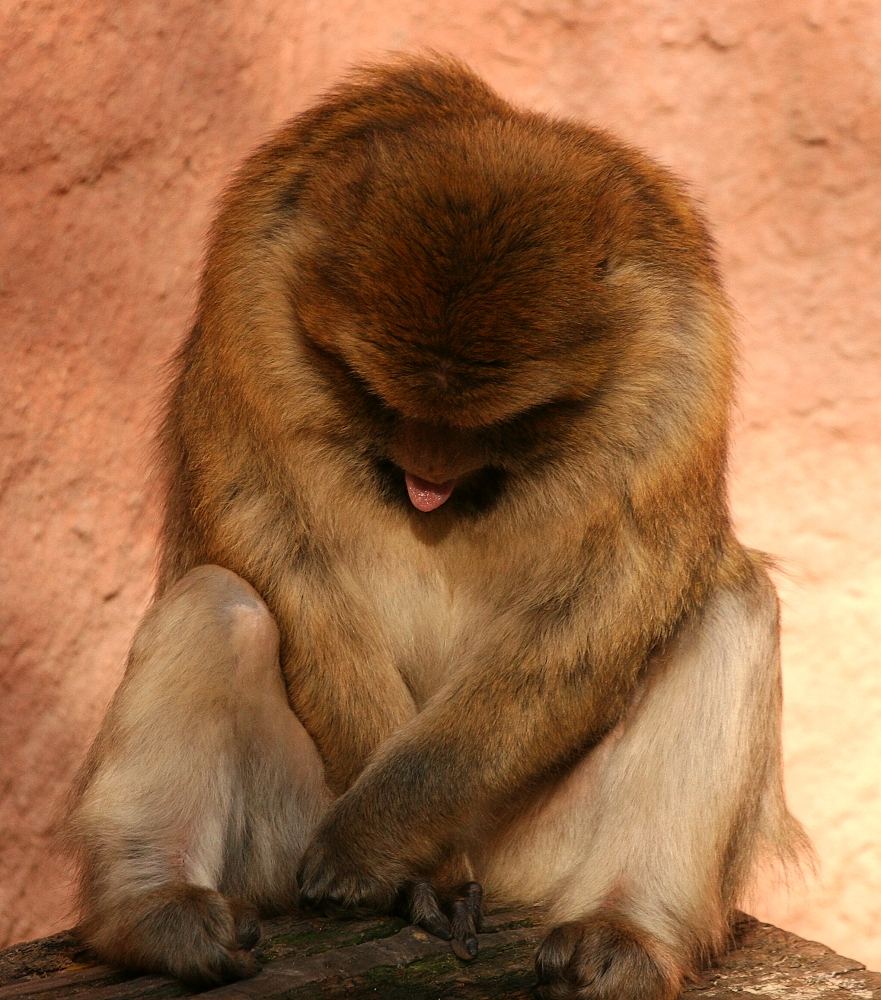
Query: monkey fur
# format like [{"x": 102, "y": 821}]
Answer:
[{"x": 449, "y": 595}]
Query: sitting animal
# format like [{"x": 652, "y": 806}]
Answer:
[{"x": 449, "y": 593}]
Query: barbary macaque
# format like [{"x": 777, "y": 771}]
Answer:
[{"x": 449, "y": 598}]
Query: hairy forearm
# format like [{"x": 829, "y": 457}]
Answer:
[
  {"x": 341, "y": 683},
  {"x": 454, "y": 768}
]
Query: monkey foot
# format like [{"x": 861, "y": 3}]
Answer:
[
  {"x": 187, "y": 931},
  {"x": 605, "y": 957},
  {"x": 457, "y": 919}
]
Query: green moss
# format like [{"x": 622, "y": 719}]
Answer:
[
  {"x": 326, "y": 937},
  {"x": 509, "y": 925},
  {"x": 432, "y": 968},
  {"x": 505, "y": 971}
]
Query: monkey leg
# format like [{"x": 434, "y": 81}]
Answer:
[
  {"x": 648, "y": 841},
  {"x": 200, "y": 792}
]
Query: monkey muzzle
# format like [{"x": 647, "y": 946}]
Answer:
[{"x": 434, "y": 459}]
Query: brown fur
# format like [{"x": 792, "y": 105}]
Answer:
[
  {"x": 416, "y": 275},
  {"x": 605, "y": 958}
]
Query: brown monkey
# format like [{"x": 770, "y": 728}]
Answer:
[{"x": 455, "y": 406}]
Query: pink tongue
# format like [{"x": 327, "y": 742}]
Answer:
[{"x": 426, "y": 496}]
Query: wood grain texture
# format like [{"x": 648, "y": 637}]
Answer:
[{"x": 307, "y": 957}]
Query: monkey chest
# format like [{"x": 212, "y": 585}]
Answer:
[{"x": 428, "y": 623}]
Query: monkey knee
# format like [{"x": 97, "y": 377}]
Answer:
[
  {"x": 245, "y": 622},
  {"x": 253, "y": 643},
  {"x": 214, "y": 587},
  {"x": 226, "y": 599},
  {"x": 216, "y": 611}
]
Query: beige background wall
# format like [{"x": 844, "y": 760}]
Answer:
[{"x": 119, "y": 123}]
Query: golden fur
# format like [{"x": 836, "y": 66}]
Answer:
[{"x": 564, "y": 680}]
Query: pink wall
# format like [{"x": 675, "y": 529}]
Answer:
[{"x": 119, "y": 124}]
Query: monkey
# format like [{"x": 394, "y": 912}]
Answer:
[{"x": 449, "y": 599}]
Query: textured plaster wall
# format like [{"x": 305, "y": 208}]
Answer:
[{"x": 120, "y": 122}]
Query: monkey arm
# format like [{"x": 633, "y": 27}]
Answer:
[
  {"x": 340, "y": 678},
  {"x": 452, "y": 772}
]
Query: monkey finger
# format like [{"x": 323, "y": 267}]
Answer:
[
  {"x": 464, "y": 930},
  {"x": 472, "y": 892},
  {"x": 424, "y": 910},
  {"x": 420, "y": 904},
  {"x": 345, "y": 898}
]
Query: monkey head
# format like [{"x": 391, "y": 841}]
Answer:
[{"x": 474, "y": 285}]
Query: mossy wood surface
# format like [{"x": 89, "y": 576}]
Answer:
[{"x": 315, "y": 957}]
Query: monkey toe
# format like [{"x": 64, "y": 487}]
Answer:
[
  {"x": 604, "y": 958},
  {"x": 423, "y": 908},
  {"x": 234, "y": 964},
  {"x": 555, "y": 962},
  {"x": 247, "y": 924},
  {"x": 218, "y": 948},
  {"x": 459, "y": 925}
]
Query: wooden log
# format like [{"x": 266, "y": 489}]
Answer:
[{"x": 314, "y": 957}]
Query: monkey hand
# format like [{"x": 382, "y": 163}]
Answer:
[{"x": 339, "y": 876}]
